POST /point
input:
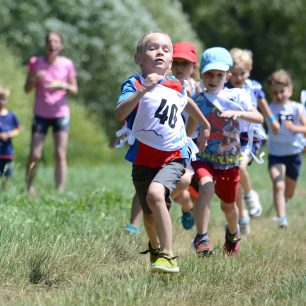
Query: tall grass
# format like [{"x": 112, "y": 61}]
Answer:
[{"x": 71, "y": 250}]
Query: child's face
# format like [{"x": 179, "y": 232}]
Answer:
[
  {"x": 182, "y": 69},
  {"x": 3, "y": 99},
  {"x": 214, "y": 80},
  {"x": 156, "y": 54},
  {"x": 280, "y": 93},
  {"x": 238, "y": 76}
]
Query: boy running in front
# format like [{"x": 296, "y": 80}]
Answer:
[{"x": 152, "y": 103}]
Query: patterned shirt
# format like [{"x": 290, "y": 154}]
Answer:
[{"x": 223, "y": 147}]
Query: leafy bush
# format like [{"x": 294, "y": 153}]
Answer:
[
  {"x": 87, "y": 140},
  {"x": 100, "y": 37}
]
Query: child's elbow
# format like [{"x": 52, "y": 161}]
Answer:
[
  {"x": 119, "y": 116},
  {"x": 261, "y": 118}
]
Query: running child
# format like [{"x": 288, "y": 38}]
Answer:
[
  {"x": 184, "y": 68},
  {"x": 217, "y": 168},
  {"x": 152, "y": 103},
  {"x": 9, "y": 128},
  {"x": 286, "y": 147},
  {"x": 240, "y": 73}
]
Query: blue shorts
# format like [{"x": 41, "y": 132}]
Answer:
[
  {"x": 292, "y": 163},
  {"x": 256, "y": 145},
  {"x": 41, "y": 125},
  {"x": 6, "y": 167}
]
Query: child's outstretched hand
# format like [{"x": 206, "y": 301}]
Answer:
[
  {"x": 151, "y": 80},
  {"x": 231, "y": 114},
  {"x": 290, "y": 126}
]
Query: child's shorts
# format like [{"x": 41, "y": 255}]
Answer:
[
  {"x": 256, "y": 145},
  {"x": 168, "y": 175},
  {"x": 226, "y": 181},
  {"x": 6, "y": 167},
  {"x": 41, "y": 125},
  {"x": 292, "y": 163}
]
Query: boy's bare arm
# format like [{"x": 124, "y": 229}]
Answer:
[
  {"x": 252, "y": 115},
  {"x": 193, "y": 110},
  {"x": 128, "y": 105},
  {"x": 191, "y": 126},
  {"x": 267, "y": 113},
  {"x": 197, "y": 116},
  {"x": 297, "y": 128}
]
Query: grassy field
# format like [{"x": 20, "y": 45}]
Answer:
[{"x": 71, "y": 250}]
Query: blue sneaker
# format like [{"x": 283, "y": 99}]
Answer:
[
  {"x": 132, "y": 229},
  {"x": 187, "y": 220},
  {"x": 283, "y": 222}
]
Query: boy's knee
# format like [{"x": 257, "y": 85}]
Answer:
[
  {"x": 279, "y": 185},
  {"x": 207, "y": 188},
  {"x": 184, "y": 182},
  {"x": 228, "y": 207},
  {"x": 154, "y": 196}
]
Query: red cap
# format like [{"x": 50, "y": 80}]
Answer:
[{"x": 185, "y": 50}]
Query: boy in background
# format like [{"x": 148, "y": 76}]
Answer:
[
  {"x": 9, "y": 128},
  {"x": 240, "y": 73}
]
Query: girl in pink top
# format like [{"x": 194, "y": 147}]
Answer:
[{"x": 53, "y": 77}]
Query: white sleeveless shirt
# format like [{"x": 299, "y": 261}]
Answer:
[{"x": 158, "y": 122}]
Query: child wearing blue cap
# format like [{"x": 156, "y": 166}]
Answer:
[{"x": 217, "y": 169}]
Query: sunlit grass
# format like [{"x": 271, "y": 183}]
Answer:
[{"x": 70, "y": 249}]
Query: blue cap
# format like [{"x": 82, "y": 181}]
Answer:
[{"x": 216, "y": 58}]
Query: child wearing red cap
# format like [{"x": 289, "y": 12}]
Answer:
[{"x": 184, "y": 67}]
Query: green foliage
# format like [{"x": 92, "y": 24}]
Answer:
[
  {"x": 100, "y": 37},
  {"x": 273, "y": 30},
  {"x": 88, "y": 142}
]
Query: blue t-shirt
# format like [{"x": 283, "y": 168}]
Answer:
[{"x": 8, "y": 123}]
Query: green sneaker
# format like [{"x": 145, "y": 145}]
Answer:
[
  {"x": 153, "y": 253},
  {"x": 165, "y": 263}
]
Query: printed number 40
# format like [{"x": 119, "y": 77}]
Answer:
[{"x": 163, "y": 113}]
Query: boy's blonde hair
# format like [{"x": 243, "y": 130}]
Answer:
[
  {"x": 142, "y": 41},
  {"x": 4, "y": 92},
  {"x": 280, "y": 77},
  {"x": 242, "y": 58}
]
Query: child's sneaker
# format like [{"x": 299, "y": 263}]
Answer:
[
  {"x": 203, "y": 247},
  {"x": 153, "y": 253},
  {"x": 283, "y": 222},
  {"x": 165, "y": 263},
  {"x": 253, "y": 204},
  {"x": 232, "y": 244},
  {"x": 187, "y": 219},
  {"x": 132, "y": 229},
  {"x": 244, "y": 224}
]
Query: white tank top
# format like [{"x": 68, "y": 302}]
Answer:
[{"x": 158, "y": 122}]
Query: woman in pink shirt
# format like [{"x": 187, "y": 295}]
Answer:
[{"x": 53, "y": 77}]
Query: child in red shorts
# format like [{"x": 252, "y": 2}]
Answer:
[{"x": 217, "y": 168}]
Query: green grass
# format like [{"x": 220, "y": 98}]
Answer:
[{"x": 70, "y": 249}]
